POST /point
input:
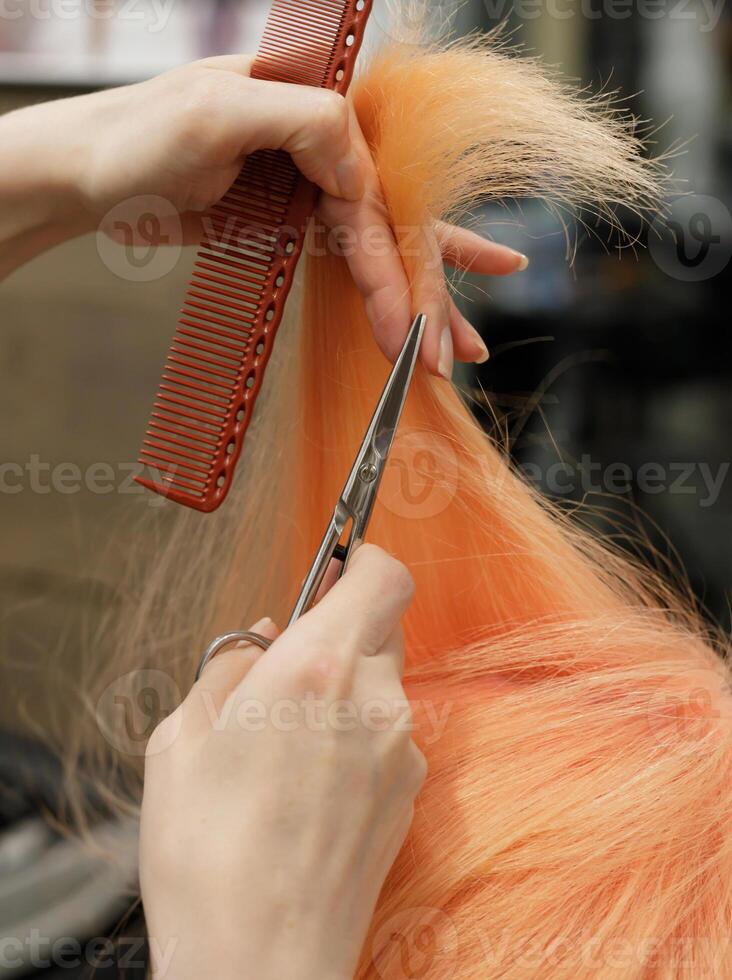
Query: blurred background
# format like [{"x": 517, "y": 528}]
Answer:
[{"x": 611, "y": 379}]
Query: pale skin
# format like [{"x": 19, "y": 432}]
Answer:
[
  {"x": 279, "y": 794},
  {"x": 262, "y": 851},
  {"x": 183, "y": 137}
]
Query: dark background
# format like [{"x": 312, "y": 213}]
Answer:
[{"x": 635, "y": 380}]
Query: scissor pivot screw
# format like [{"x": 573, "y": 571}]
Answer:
[{"x": 368, "y": 472}]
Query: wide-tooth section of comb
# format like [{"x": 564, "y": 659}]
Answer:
[
  {"x": 244, "y": 272},
  {"x": 297, "y": 45}
]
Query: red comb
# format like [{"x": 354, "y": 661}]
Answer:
[{"x": 243, "y": 272}]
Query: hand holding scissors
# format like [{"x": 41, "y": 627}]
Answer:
[
  {"x": 356, "y": 502},
  {"x": 246, "y": 816}
]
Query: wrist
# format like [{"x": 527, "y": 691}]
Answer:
[
  {"x": 243, "y": 946},
  {"x": 43, "y": 156}
]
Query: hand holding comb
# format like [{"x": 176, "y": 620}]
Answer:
[{"x": 244, "y": 271}]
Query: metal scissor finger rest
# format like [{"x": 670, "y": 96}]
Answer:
[
  {"x": 358, "y": 497},
  {"x": 226, "y": 640}
]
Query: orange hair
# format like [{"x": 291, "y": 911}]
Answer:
[
  {"x": 575, "y": 818},
  {"x": 575, "y": 715}
]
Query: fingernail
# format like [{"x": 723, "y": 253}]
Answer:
[
  {"x": 446, "y": 359},
  {"x": 350, "y": 178},
  {"x": 523, "y": 260},
  {"x": 257, "y": 628},
  {"x": 483, "y": 352}
]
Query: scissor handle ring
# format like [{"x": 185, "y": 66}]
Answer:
[{"x": 226, "y": 640}]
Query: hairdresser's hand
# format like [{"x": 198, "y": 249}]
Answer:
[
  {"x": 391, "y": 301},
  {"x": 279, "y": 794},
  {"x": 183, "y": 137}
]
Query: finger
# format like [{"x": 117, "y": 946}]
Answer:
[
  {"x": 231, "y": 666},
  {"x": 429, "y": 290},
  {"x": 467, "y": 342},
  {"x": 311, "y": 124},
  {"x": 241, "y": 64},
  {"x": 372, "y": 254},
  {"x": 464, "y": 249},
  {"x": 333, "y": 573},
  {"x": 364, "y": 608},
  {"x": 384, "y": 670},
  {"x": 395, "y": 650},
  {"x": 205, "y": 706}
]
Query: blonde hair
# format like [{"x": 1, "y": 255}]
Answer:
[{"x": 574, "y": 713}]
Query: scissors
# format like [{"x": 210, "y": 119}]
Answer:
[{"x": 355, "y": 504}]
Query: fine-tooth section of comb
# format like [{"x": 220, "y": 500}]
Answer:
[{"x": 243, "y": 273}]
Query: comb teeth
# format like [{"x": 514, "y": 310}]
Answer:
[
  {"x": 298, "y": 43},
  {"x": 222, "y": 331},
  {"x": 243, "y": 273}
]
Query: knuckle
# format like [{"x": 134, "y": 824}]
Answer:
[
  {"x": 393, "y": 715},
  {"x": 318, "y": 665},
  {"x": 330, "y": 115},
  {"x": 419, "y": 768},
  {"x": 406, "y": 717},
  {"x": 164, "y": 734},
  {"x": 396, "y": 579},
  {"x": 198, "y": 112}
]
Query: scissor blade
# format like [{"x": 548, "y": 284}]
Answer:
[
  {"x": 359, "y": 494},
  {"x": 389, "y": 411}
]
